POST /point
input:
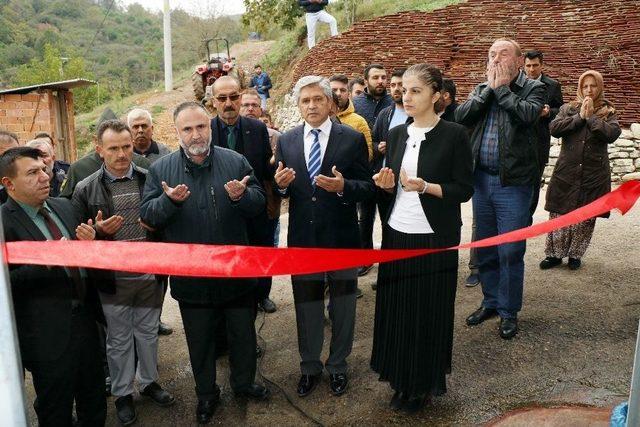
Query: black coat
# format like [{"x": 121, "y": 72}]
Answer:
[
  {"x": 318, "y": 218},
  {"x": 444, "y": 159},
  {"x": 519, "y": 106},
  {"x": 554, "y": 100},
  {"x": 581, "y": 173},
  {"x": 42, "y": 295},
  {"x": 207, "y": 216}
]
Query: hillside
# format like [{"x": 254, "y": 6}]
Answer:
[{"x": 121, "y": 48}]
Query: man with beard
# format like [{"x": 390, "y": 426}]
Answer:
[
  {"x": 205, "y": 194},
  {"x": 249, "y": 137},
  {"x": 388, "y": 118},
  {"x": 503, "y": 112},
  {"x": 534, "y": 67},
  {"x": 449, "y": 100},
  {"x": 369, "y": 104},
  {"x": 141, "y": 124}
]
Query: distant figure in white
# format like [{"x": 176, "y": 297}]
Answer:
[{"x": 315, "y": 13}]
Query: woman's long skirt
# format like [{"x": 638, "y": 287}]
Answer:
[
  {"x": 413, "y": 331},
  {"x": 571, "y": 241}
]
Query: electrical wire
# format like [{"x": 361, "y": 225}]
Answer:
[
  {"x": 263, "y": 345},
  {"x": 99, "y": 27}
]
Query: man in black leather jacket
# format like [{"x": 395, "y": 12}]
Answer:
[{"x": 503, "y": 112}]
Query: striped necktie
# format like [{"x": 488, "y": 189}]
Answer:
[{"x": 313, "y": 166}]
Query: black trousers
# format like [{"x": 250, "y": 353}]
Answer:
[
  {"x": 76, "y": 375},
  {"x": 200, "y": 324},
  {"x": 367, "y": 218}
]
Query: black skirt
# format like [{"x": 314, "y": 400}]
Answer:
[{"x": 413, "y": 331}]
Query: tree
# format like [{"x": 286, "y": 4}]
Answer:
[
  {"x": 53, "y": 68},
  {"x": 261, "y": 15}
]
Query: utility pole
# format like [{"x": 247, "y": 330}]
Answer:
[{"x": 168, "y": 70}]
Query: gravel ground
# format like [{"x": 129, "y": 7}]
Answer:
[{"x": 576, "y": 343}]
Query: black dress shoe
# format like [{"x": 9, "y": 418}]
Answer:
[
  {"x": 125, "y": 410},
  {"x": 107, "y": 386},
  {"x": 398, "y": 401},
  {"x": 480, "y": 315},
  {"x": 338, "y": 383},
  {"x": 574, "y": 263},
  {"x": 206, "y": 408},
  {"x": 508, "y": 328},
  {"x": 363, "y": 271},
  {"x": 255, "y": 392},
  {"x": 550, "y": 262},
  {"x": 415, "y": 404},
  {"x": 159, "y": 396},
  {"x": 164, "y": 329},
  {"x": 267, "y": 305},
  {"x": 306, "y": 384}
]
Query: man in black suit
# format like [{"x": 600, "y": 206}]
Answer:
[
  {"x": 323, "y": 168},
  {"x": 250, "y": 138},
  {"x": 534, "y": 67},
  {"x": 55, "y": 307}
]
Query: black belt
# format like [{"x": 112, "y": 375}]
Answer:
[{"x": 490, "y": 171}]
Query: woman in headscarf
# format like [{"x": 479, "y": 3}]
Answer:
[
  {"x": 581, "y": 175},
  {"x": 428, "y": 175}
]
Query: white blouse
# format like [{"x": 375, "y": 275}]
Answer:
[{"x": 407, "y": 215}]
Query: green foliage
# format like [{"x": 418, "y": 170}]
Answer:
[
  {"x": 263, "y": 15},
  {"x": 124, "y": 54}
]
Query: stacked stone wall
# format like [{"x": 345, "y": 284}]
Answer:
[{"x": 574, "y": 36}]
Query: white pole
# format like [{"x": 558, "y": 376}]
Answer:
[
  {"x": 168, "y": 71},
  {"x": 633, "y": 414},
  {"x": 13, "y": 411}
]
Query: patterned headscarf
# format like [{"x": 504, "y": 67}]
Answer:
[{"x": 602, "y": 107}]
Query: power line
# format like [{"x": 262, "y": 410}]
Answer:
[{"x": 100, "y": 27}]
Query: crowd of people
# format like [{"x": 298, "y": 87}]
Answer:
[{"x": 412, "y": 154}]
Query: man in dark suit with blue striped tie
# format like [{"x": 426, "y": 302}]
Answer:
[{"x": 323, "y": 169}]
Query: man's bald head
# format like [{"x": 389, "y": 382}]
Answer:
[{"x": 8, "y": 140}]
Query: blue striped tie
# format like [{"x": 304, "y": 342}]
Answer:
[{"x": 314, "y": 157}]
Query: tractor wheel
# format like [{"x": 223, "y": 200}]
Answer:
[{"x": 198, "y": 88}]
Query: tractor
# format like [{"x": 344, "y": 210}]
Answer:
[{"x": 218, "y": 63}]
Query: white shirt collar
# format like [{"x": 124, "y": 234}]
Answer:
[{"x": 325, "y": 127}]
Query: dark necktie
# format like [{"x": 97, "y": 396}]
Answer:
[
  {"x": 231, "y": 138},
  {"x": 74, "y": 272},
  {"x": 314, "y": 157}
]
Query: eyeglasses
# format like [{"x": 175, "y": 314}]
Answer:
[
  {"x": 232, "y": 98},
  {"x": 252, "y": 105}
]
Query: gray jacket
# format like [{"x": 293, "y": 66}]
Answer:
[{"x": 207, "y": 216}]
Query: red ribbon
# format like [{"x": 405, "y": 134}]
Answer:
[{"x": 197, "y": 260}]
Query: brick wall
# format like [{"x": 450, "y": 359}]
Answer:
[
  {"x": 26, "y": 115},
  {"x": 573, "y": 35}
]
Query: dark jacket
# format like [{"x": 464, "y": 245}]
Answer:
[
  {"x": 318, "y": 218},
  {"x": 310, "y": 7},
  {"x": 369, "y": 107},
  {"x": 87, "y": 165},
  {"x": 581, "y": 173},
  {"x": 155, "y": 151},
  {"x": 450, "y": 112},
  {"x": 263, "y": 88},
  {"x": 42, "y": 295},
  {"x": 554, "y": 100},
  {"x": 380, "y": 133},
  {"x": 519, "y": 108},
  {"x": 60, "y": 170},
  {"x": 207, "y": 216},
  {"x": 445, "y": 159}
]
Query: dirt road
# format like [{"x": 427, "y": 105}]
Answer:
[{"x": 576, "y": 345}]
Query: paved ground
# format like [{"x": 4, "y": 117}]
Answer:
[{"x": 576, "y": 346}]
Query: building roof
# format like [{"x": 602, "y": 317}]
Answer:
[{"x": 66, "y": 84}]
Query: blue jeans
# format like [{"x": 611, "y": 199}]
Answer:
[
  {"x": 498, "y": 210},
  {"x": 263, "y": 101}
]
